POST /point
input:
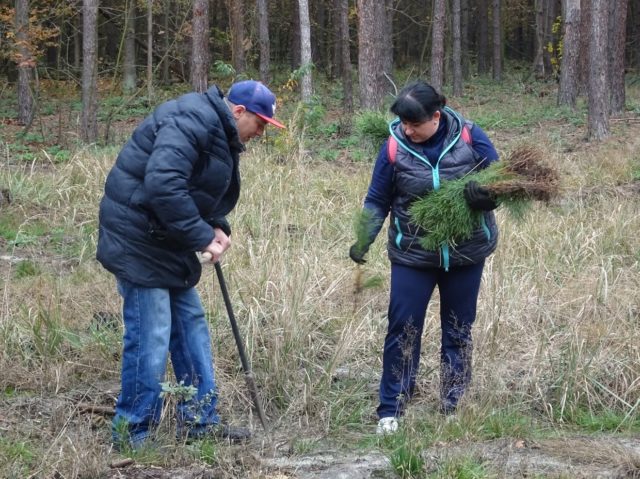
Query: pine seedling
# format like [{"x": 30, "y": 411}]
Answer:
[
  {"x": 363, "y": 225},
  {"x": 515, "y": 182}
]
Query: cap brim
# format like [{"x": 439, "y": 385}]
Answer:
[{"x": 271, "y": 120}]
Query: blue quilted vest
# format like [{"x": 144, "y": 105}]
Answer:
[{"x": 415, "y": 176}]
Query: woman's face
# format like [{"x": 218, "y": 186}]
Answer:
[{"x": 421, "y": 132}]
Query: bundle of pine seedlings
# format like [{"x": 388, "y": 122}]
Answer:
[{"x": 514, "y": 182}]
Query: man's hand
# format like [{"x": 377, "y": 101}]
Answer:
[
  {"x": 357, "y": 255},
  {"x": 217, "y": 247},
  {"x": 478, "y": 197}
]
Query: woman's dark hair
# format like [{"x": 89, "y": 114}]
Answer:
[{"x": 417, "y": 102}]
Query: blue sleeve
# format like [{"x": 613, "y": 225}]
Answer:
[
  {"x": 483, "y": 146},
  {"x": 380, "y": 193}
]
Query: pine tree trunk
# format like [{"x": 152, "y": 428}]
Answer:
[
  {"x": 149, "y": 50},
  {"x": 345, "y": 66},
  {"x": 305, "y": 50},
  {"x": 200, "y": 45},
  {"x": 370, "y": 54},
  {"x": 236, "y": 20},
  {"x": 437, "y": 45},
  {"x": 89, "y": 122},
  {"x": 129, "y": 63},
  {"x": 263, "y": 33},
  {"x": 464, "y": 37},
  {"x": 618, "y": 21},
  {"x": 497, "y": 41},
  {"x": 585, "y": 37},
  {"x": 538, "y": 62},
  {"x": 568, "y": 89},
  {"x": 457, "y": 50},
  {"x": 166, "y": 44},
  {"x": 25, "y": 63},
  {"x": 599, "y": 92},
  {"x": 483, "y": 36}
]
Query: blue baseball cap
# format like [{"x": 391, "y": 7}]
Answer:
[{"x": 256, "y": 98}]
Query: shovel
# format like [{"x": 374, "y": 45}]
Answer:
[{"x": 248, "y": 374}]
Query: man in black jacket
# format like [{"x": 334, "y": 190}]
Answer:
[{"x": 165, "y": 199}]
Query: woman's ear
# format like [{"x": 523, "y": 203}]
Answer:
[{"x": 436, "y": 115}]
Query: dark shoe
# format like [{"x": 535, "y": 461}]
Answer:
[{"x": 232, "y": 434}]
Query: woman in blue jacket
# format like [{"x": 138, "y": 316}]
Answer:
[{"x": 428, "y": 143}]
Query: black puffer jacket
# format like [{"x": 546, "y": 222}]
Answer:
[{"x": 172, "y": 183}]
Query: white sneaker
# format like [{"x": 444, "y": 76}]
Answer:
[{"x": 387, "y": 425}]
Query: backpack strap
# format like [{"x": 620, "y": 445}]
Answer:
[
  {"x": 392, "y": 143},
  {"x": 392, "y": 149},
  {"x": 466, "y": 135}
]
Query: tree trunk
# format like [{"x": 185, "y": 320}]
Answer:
[
  {"x": 457, "y": 51},
  {"x": 464, "y": 37},
  {"x": 568, "y": 89},
  {"x": 387, "y": 39},
  {"x": 585, "y": 37},
  {"x": 166, "y": 44},
  {"x": 370, "y": 54},
  {"x": 483, "y": 36},
  {"x": 497, "y": 41},
  {"x": 25, "y": 63},
  {"x": 200, "y": 46},
  {"x": 538, "y": 61},
  {"x": 336, "y": 67},
  {"x": 618, "y": 21},
  {"x": 437, "y": 45},
  {"x": 129, "y": 63},
  {"x": 149, "y": 50},
  {"x": 305, "y": 50},
  {"x": 345, "y": 51},
  {"x": 263, "y": 33},
  {"x": 89, "y": 124},
  {"x": 599, "y": 92},
  {"x": 236, "y": 21}
]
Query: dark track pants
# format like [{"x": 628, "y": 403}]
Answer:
[{"x": 411, "y": 290}]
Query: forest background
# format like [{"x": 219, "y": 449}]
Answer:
[{"x": 557, "y": 366}]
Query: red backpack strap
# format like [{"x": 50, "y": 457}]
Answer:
[
  {"x": 466, "y": 135},
  {"x": 392, "y": 149}
]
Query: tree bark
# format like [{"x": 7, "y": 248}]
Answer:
[
  {"x": 497, "y": 41},
  {"x": 165, "y": 42},
  {"x": 457, "y": 49},
  {"x": 89, "y": 123},
  {"x": 236, "y": 21},
  {"x": 25, "y": 63},
  {"x": 568, "y": 89},
  {"x": 617, "y": 37},
  {"x": 599, "y": 92},
  {"x": 129, "y": 63},
  {"x": 305, "y": 50},
  {"x": 437, "y": 45},
  {"x": 370, "y": 54},
  {"x": 464, "y": 37},
  {"x": 150, "y": 50},
  {"x": 483, "y": 36},
  {"x": 263, "y": 34},
  {"x": 538, "y": 62},
  {"x": 200, "y": 46},
  {"x": 345, "y": 51}
]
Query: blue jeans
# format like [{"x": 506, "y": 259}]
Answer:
[
  {"x": 158, "y": 322},
  {"x": 411, "y": 290}
]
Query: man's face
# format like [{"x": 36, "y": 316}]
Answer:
[{"x": 249, "y": 124}]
